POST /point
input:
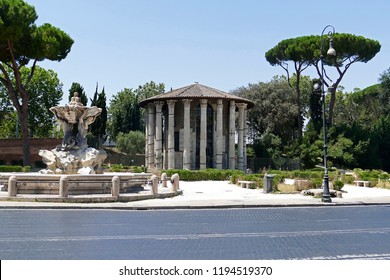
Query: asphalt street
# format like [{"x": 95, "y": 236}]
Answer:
[{"x": 353, "y": 232}]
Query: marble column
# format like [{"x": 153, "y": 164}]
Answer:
[
  {"x": 171, "y": 134},
  {"x": 151, "y": 131},
  {"x": 219, "y": 146},
  {"x": 245, "y": 136},
  {"x": 158, "y": 144},
  {"x": 187, "y": 135},
  {"x": 241, "y": 123},
  {"x": 203, "y": 133},
  {"x": 146, "y": 115},
  {"x": 232, "y": 135}
]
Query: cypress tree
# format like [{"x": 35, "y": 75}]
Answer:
[
  {"x": 97, "y": 130},
  {"x": 76, "y": 87}
]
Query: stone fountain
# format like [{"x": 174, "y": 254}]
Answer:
[
  {"x": 74, "y": 170},
  {"x": 74, "y": 156}
]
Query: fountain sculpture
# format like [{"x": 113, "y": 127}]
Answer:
[
  {"x": 74, "y": 156},
  {"x": 72, "y": 167}
]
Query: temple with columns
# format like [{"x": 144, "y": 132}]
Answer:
[{"x": 195, "y": 127}]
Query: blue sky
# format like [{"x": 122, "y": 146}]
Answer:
[{"x": 125, "y": 43}]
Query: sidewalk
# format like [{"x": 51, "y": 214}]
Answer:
[{"x": 219, "y": 194}]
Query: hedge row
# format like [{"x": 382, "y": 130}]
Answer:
[
  {"x": 314, "y": 176},
  {"x": 371, "y": 175},
  {"x": 123, "y": 168},
  {"x": 204, "y": 175},
  {"x": 14, "y": 168}
]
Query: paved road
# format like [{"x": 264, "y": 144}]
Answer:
[{"x": 253, "y": 233}]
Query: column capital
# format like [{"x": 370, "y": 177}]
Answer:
[
  {"x": 159, "y": 105},
  {"x": 203, "y": 101},
  {"x": 242, "y": 105},
  {"x": 151, "y": 107},
  {"x": 186, "y": 101},
  {"x": 171, "y": 103}
]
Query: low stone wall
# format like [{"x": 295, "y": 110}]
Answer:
[{"x": 11, "y": 150}]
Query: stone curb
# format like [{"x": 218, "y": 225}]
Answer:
[{"x": 85, "y": 206}]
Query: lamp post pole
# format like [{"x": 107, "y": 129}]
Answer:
[{"x": 326, "y": 197}]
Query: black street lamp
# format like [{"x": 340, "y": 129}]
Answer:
[{"x": 331, "y": 52}]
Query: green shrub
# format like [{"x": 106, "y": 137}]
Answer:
[
  {"x": 347, "y": 179},
  {"x": 11, "y": 168},
  {"x": 116, "y": 167},
  {"x": 315, "y": 176},
  {"x": 138, "y": 169},
  {"x": 234, "y": 177},
  {"x": 338, "y": 185},
  {"x": 123, "y": 168},
  {"x": 278, "y": 178},
  {"x": 26, "y": 168},
  {"x": 206, "y": 174},
  {"x": 257, "y": 178},
  {"x": 384, "y": 176},
  {"x": 316, "y": 182},
  {"x": 374, "y": 176}
]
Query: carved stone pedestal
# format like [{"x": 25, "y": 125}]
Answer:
[{"x": 82, "y": 161}]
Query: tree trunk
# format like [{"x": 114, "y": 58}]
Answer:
[
  {"x": 333, "y": 99},
  {"x": 23, "y": 117},
  {"x": 300, "y": 122},
  {"x": 331, "y": 106}
]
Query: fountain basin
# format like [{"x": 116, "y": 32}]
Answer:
[
  {"x": 98, "y": 188},
  {"x": 36, "y": 183}
]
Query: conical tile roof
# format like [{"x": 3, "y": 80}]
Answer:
[{"x": 196, "y": 91}]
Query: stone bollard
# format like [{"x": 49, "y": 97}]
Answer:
[
  {"x": 154, "y": 180},
  {"x": 164, "y": 180},
  {"x": 64, "y": 183},
  {"x": 12, "y": 186},
  {"x": 175, "y": 182},
  {"x": 115, "y": 186}
]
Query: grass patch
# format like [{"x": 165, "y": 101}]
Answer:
[
  {"x": 383, "y": 185},
  {"x": 285, "y": 188}
]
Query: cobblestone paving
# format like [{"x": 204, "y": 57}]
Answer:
[{"x": 262, "y": 233}]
